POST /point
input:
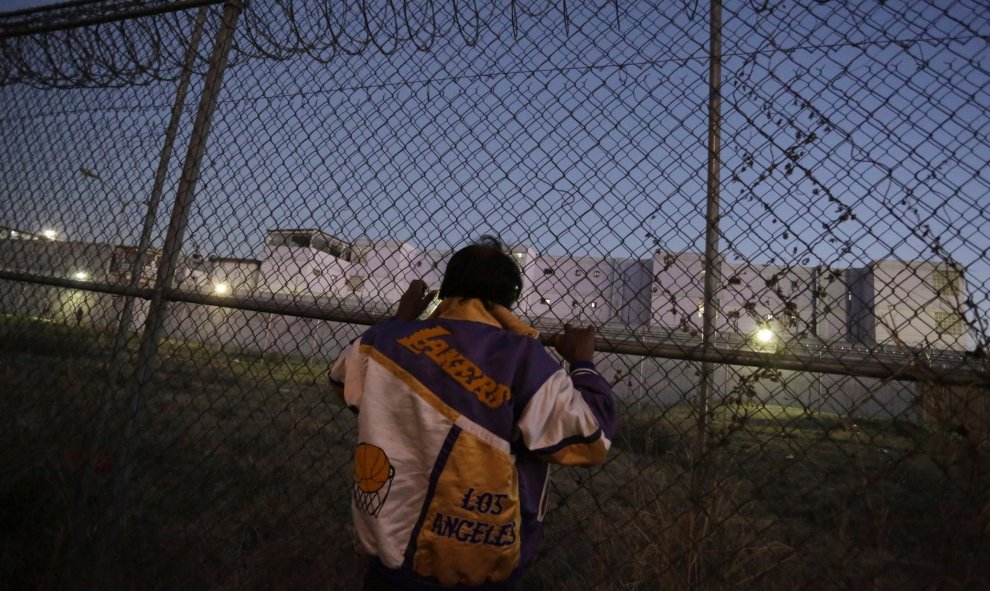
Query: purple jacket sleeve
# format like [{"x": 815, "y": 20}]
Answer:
[{"x": 570, "y": 419}]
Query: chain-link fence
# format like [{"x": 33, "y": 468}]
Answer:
[{"x": 776, "y": 213}]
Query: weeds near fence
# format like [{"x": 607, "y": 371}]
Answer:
[{"x": 242, "y": 483}]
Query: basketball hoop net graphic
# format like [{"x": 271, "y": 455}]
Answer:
[{"x": 373, "y": 475}]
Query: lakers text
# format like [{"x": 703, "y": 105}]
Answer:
[{"x": 428, "y": 342}]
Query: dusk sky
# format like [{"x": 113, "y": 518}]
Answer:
[{"x": 849, "y": 135}]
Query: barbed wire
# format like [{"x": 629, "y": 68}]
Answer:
[{"x": 117, "y": 49}]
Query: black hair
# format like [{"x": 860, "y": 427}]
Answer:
[{"x": 483, "y": 270}]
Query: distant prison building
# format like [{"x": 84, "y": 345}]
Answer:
[{"x": 889, "y": 302}]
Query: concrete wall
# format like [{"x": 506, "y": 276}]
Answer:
[
  {"x": 240, "y": 275},
  {"x": 779, "y": 298},
  {"x": 634, "y": 296},
  {"x": 385, "y": 267},
  {"x": 829, "y": 302},
  {"x": 578, "y": 289},
  {"x": 677, "y": 292},
  {"x": 913, "y": 306},
  {"x": 68, "y": 306},
  {"x": 301, "y": 270}
]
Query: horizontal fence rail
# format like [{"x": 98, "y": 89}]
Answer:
[{"x": 938, "y": 367}]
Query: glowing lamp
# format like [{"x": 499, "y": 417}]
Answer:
[
  {"x": 49, "y": 234},
  {"x": 221, "y": 288},
  {"x": 764, "y": 336},
  {"x": 80, "y": 276}
]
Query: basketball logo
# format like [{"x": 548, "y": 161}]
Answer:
[{"x": 373, "y": 475}]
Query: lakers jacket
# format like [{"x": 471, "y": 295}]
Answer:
[{"x": 458, "y": 416}]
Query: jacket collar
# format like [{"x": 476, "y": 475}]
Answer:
[{"x": 474, "y": 310}]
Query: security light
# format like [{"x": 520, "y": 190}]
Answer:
[
  {"x": 221, "y": 288},
  {"x": 764, "y": 335},
  {"x": 80, "y": 276}
]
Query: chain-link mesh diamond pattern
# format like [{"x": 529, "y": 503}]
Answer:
[{"x": 176, "y": 274}]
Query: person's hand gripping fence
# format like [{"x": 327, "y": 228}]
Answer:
[
  {"x": 576, "y": 345},
  {"x": 415, "y": 300}
]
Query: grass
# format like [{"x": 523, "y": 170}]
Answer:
[{"x": 243, "y": 469}]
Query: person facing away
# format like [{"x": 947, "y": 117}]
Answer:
[{"x": 458, "y": 418}]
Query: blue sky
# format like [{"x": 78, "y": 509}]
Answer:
[
  {"x": 851, "y": 133},
  {"x": 13, "y": 5}
]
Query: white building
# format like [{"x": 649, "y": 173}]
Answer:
[
  {"x": 888, "y": 302},
  {"x": 370, "y": 272},
  {"x": 229, "y": 276},
  {"x": 829, "y": 301},
  {"x": 304, "y": 261},
  {"x": 381, "y": 270},
  {"x": 915, "y": 303},
  {"x": 776, "y": 297},
  {"x": 634, "y": 291},
  {"x": 215, "y": 275},
  {"x": 564, "y": 288},
  {"x": 677, "y": 290}
]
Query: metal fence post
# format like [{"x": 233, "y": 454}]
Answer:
[
  {"x": 147, "y": 354},
  {"x": 699, "y": 472},
  {"x": 127, "y": 312}
]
